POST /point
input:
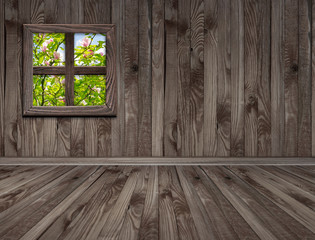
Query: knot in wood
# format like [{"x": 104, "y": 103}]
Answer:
[
  {"x": 294, "y": 67},
  {"x": 252, "y": 100},
  {"x": 135, "y": 67}
]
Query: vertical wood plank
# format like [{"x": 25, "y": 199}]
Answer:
[
  {"x": 237, "y": 79},
  {"x": 313, "y": 78},
  {"x": 118, "y": 123},
  {"x": 224, "y": 79},
  {"x": 158, "y": 71},
  {"x": 2, "y": 76},
  {"x": 77, "y": 133},
  {"x": 251, "y": 19},
  {"x": 103, "y": 123},
  {"x": 11, "y": 134},
  {"x": 170, "y": 98},
  {"x": 210, "y": 77},
  {"x": 305, "y": 79},
  {"x": 263, "y": 83},
  {"x": 185, "y": 103},
  {"x": 197, "y": 20},
  {"x": 277, "y": 80},
  {"x": 131, "y": 61},
  {"x": 145, "y": 79},
  {"x": 291, "y": 67}
]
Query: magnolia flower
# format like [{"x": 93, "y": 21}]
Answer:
[
  {"x": 48, "y": 41},
  {"x": 91, "y": 52},
  {"x": 56, "y": 55},
  {"x": 96, "y": 89},
  {"x": 44, "y": 47},
  {"x": 63, "y": 81},
  {"x": 47, "y": 63},
  {"x": 84, "y": 102},
  {"x": 102, "y": 54},
  {"x": 85, "y": 42}
]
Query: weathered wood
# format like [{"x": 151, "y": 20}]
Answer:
[
  {"x": 263, "y": 84},
  {"x": 237, "y": 79},
  {"x": 304, "y": 138},
  {"x": 277, "y": 78},
  {"x": 123, "y": 203},
  {"x": 170, "y": 100},
  {"x": 211, "y": 77},
  {"x": 158, "y": 77},
  {"x": 2, "y": 77},
  {"x": 313, "y": 79},
  {"x": 185, "y": 100},
  {"x": 131, "y": 63},
  {"x": 290, "y": 55}
]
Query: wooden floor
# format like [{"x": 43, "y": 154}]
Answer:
[{"x": 182, "y": 202}]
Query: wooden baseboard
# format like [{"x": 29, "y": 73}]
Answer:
[{"x": 158, "y": 161}]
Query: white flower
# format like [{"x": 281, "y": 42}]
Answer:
[{"x": 84, "y": 102}]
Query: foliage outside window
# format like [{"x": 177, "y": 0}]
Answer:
[{"x": 70, "y": 70}]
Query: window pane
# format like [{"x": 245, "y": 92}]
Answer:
[
  {"x": 90, "y": 49},
  {"x": 89, "y": 90},
  {"x": 48, "y": 90},
  {"x": 48, "y": 49}
]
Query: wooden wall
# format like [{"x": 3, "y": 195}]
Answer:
[{"x": 195, "y": 78}]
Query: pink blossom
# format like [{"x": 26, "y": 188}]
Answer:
[
  {"x": 102, "y": 54},
  {"x": 56, "y": 55},
  {"x": 91, "y": 52},
  {"x": 44, "y": 47},
  {"x": 97, "y": 89},
  {"x": 63, "y": 81},
  {"x": 48, "y": 41},
  {"x": 84, "y": 55},
  {"x": 85, "y": 42},
  {"x": 47, "y": 63}
]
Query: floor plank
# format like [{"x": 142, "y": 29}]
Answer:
[{"x": 150, "y": 202}]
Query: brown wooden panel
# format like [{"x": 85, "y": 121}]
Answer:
[
  {"x": 263, "y": 84},
  {"x": 304, "y": 137},
  {"x": 197, "y": 20},
  {"x": 118, "y": 123},
  {"x": 185, "y": 101},
  {"x": 2, "y": 77},
  {"x": 170, "y": 101},
  {"x": 131, "y": 63},
  {"x": 11, "y": 133},
  {"x": 211, "y": 77},
  {"x": 224, "y": 79},
  {"x": 290, "y": 68},
  {"x": 145, "y": 79},
  {"x": 237, "y": 79},
  {"x": 252, "y": 74},
  {"x": 158, "y": 77},
  {"x": 277, "y": 80},
  {"x": 313, "y": 78}
]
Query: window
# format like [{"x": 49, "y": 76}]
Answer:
[{"x": 69, "y": 70}]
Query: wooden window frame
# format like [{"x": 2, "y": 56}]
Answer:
[{"x": 69, "y": 70}]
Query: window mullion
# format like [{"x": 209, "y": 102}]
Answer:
[{"x": 69, "y": 91}]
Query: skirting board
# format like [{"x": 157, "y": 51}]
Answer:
[{"x": 158, "y": 161}]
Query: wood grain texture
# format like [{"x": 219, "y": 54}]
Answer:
[
  {"x": 2, "y": 77},
  {"x": 131, "y": 76},
  {"x": 291, "y": 67},
  {"x": 263, "y": 86},
  {"x": 313, "y": 79},
  {"x": 197, "y": 21},
  {"x": 211, "y": 77},
  {"x": 185, "y": 101},
  {"x": 304, "y": 137},
  {"x": 277, "y": 78},
  {"x": 237, "y": 79},
  {"x": 224, "y": 79},
  {"x": 150, "y": 202},
  {"x": 170, "y": 96},
  {"x": 195, "y": 78},
  {"x": 12, "y": 136},
  {"x": 158, "y": 76},
  {"x": 145, "y": 79}
]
